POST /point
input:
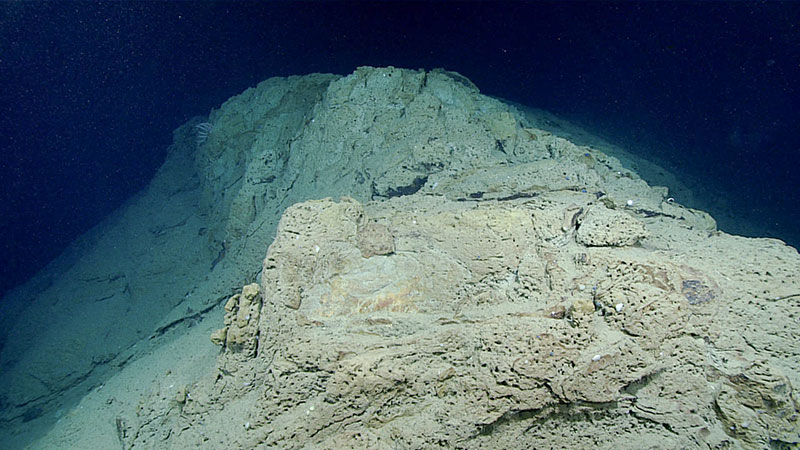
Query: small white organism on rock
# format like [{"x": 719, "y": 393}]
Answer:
[{"x": 203, "y": 130}]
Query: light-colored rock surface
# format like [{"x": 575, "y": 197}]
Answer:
[
  {"x": 444, "y": 274},
  {"x": 483, "y": 331},
  {"x": 603, "y": 227},
  {"x": 242, "y": 312}
]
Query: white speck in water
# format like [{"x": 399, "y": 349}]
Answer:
[{"x": 629, "y": 203}]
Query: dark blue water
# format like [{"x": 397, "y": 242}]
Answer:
[{"x": 90, "y": 92}]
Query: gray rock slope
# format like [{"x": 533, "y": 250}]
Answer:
[{"x": 443, "y": 275}]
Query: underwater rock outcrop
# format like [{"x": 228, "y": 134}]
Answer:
[
  {"x": 492, "y": 326},
  {"x": 526, "y": 293},
  {"x": 406, "y": 263}
]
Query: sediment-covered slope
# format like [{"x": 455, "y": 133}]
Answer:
[
  {"x": 482, "y": 284},
  {"x": 155, "y": 266}
]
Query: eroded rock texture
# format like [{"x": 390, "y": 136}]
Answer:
[
  {"x": 443, "y": 275},
  {"x": 492, "y": 326}
]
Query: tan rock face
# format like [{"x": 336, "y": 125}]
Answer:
[
  {"x": 218, "y": 336},
  {"x": 476, "y": 316},
  {"x": 242, "y": 312},
  {"x": 375, "y": 239},
  {"x": 507, "y": 303},
  {"x": 603, "y": 227}
]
